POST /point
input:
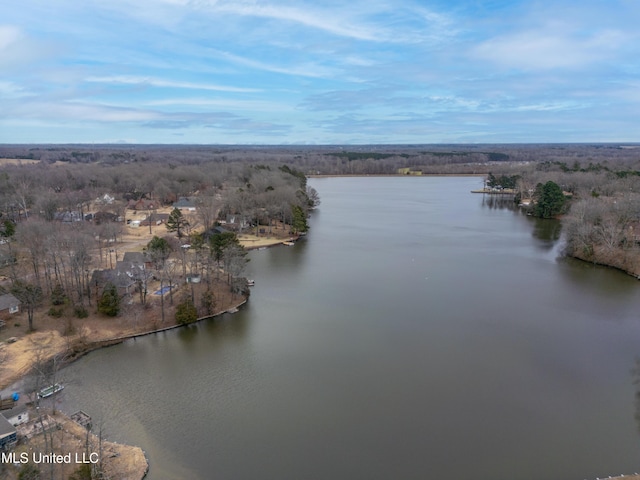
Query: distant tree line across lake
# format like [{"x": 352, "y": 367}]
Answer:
[{"x": 599, "y": 182}]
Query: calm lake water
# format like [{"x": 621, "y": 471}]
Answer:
[{"x": 418, "y": 332}]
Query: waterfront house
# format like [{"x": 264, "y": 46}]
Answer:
[
  {"x": 139, "y": 259},
  {"x": 8, "y": 434},
  {"x": 9, "y": 305},
  {"x": 123, "y": 277},
  {"x": 17, "y": 415},
  {"x": 214, "y": 231}
]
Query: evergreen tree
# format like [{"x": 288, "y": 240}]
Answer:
[
  {"x": 177, "y": 222},
  {"x": 186, "y": 312},
  {"x": 159, "y": 250},
  {"x": 299, "y": 223},
  {"x": 109, "y": 302},
  {"x": 220, "y": 241},
  {"x": 549, "y": 200}
]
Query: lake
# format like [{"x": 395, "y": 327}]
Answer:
[{"x": 418, "y": 332}]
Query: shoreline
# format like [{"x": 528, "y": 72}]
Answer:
[
  {"x": 129, "y": 458},
  {"x": 99, "y": 344},
  {"x": 52, "y": 343},
  {"x": 88, "y": 347},
  {"x": 400, "y": 175},
  {"x": 599, "y": 263}
]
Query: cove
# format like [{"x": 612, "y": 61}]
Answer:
[{"x": 418, "y": 331}]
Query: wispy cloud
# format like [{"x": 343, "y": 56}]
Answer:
[
  {"x": 292, "y": 71},
  {"x": 157, "y": 82},
  {"x": 18, "y": 49},
  {"x": 550, "y": 49}
]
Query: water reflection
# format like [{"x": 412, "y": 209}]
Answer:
[
  {"x": 499, "y": 202},
  {"x": 345, "y": 327},
  {"x": 547, "y": 232},
  {"x": 636, "y": 381},
  {"x": 604, "y": 281},
  {"x": 229, "y": 325},
  {"x": 188, "y": 333}
]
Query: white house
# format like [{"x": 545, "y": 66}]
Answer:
[
  {"x": 17, "y": 415},
  {"x": 9, "y": 305}
]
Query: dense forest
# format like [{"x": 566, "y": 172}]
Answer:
[
  {"x": 63, "y": 206},
  {"x": 63, "y": 224}
]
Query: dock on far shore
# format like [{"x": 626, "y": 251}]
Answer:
[{"x": 492, "y": 191}]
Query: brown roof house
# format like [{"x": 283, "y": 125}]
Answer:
[{"x": 9, "y": 305}]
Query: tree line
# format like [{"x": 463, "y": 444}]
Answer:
[
  {"x": 598, "y": 204},
  {"x": 52, "y": 238}
]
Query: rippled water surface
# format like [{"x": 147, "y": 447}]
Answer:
[{"x": 418, "y": 332}]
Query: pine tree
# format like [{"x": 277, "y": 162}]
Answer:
[
  {"x": 186, "y": 312},
  {"x": 299, "y": 223},
  {"x": 109, "y": 302},
  {"x": 550, "y": 200},
  {"x": 177, "y": 222}
]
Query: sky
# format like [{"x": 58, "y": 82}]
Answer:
[{"x": 319, "y": 72}]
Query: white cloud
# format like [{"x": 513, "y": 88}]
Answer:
[
  {"x": 228, "y": 104},
  {"x": 12, "y": 90},
  {"x": 157, "y": 82},
  {"x": 76, "y": 111},
  {"x": 306, "y": 69},
  {"x": 552, "y": 46},
  {"x": 8, "y": 36},
  {"x": 17, "y": 49}
]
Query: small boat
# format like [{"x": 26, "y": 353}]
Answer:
[
  {"x": 50, "y": 390},
  {"x": 288, "y": 244},
  {"x": 233, "y": 310},
  {"x": 251, "y": 283}
]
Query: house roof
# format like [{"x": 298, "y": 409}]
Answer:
[
  {"x": 7, "y": 301},
  {"x": 134, "y": 257},
  {"x": 184, "y": 202},
  {"x": 119, "y": 279},
  {"x": 155, "y": 217},
  {"x": 214, "y": 231},
  {"x": 5, "y": 427},
  {"x": 12, "y": 412}
]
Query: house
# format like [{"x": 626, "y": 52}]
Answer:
[
  {"x": 104, "y": 217},
  {"x": 138, "y": 259},
  {"x": 106, "y": 199},
  {"x": 69, "y": 216},
  {"x": 235, "y": 222},
  {"x": 214, "y": 231},
  {"x": 17, "y": 415},
  {"x": 155, "y": 219},
  {"x": 142, "y": 204},
  {"x": 8, "y": 434},
  {"x": 185, "y": 203},
  {"x": 122, "y": 277},
  {"x": 409, "y": 171},
  {"x": 9, "y": 305}
]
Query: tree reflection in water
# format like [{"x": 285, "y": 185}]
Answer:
[{"x": 499, "y": 202}]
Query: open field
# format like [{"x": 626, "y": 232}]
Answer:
[{"x": 17, "y": 161}]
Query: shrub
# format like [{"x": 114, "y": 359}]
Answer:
[
  {"x": 109, "y": 302},
  {"x": 186, "y": 312},
  {"x": 80, "y": 311},
  {"x": 55, "y": 312},
  {"x": 58, "y": 296}
]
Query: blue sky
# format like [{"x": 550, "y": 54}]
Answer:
[{"x": 303, "y": 72}]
